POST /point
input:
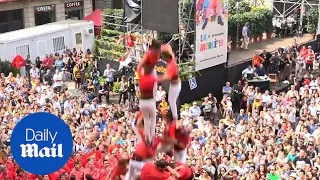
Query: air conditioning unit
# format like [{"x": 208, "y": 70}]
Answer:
[{"x": 88, "y": 31}]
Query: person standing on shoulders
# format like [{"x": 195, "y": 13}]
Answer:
[
  {"x": 147, "y": 102},
  {"x": 172, "y": 75},
  {"x": 150, "y": 59}
]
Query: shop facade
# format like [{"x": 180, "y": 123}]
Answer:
[
  {"x": 44, "y": 14},
  {"x": 74, "y": 10},
  {"x": 34, "y": 13}
]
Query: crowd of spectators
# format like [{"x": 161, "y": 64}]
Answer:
[{"x": 248, "y": 135}]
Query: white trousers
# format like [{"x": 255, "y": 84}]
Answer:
[
  {"x": 155, "y": 88},
  {"x": 148, "y": 109},
  {"x": 133, "y": 167},
  {"x": 180, "y": 156},
  {"x": 174, "y": 91}
]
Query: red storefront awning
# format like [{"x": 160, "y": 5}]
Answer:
[{"x": 95, "y": 16}]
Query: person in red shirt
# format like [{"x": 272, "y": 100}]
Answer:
[
  {"x": 10, "y": 164},
  {"x": 155, "y": 171},
  {"x": 303, "y": 52},
  {"x": 181, "y": 135},
  {"x": 130, "y": 39},
  {"x": 309, "y": 60},
  {"x": 81, "y": 157},
  {"x": 92, "y": 160},
  {"x": 172, "y": 74},
  {"x": 150, "y": 59},
  {"x": 181, "y": 171},
  {"x": 93, "y": 171},
  {"x": 20, "y": 174},
  {"x": 120, "y": 170},
  {"x": 152, "y": 56},
  {"x": 77, "y": 171},
  {"x": 140, "y": 156},
  {"x": 6, "y": 174},
  {"x": 147, "y": 102},
  {"x": 47, "y": 62},
  {"x": 257, "y": 60},
  {"x": 106, "y": 169}
]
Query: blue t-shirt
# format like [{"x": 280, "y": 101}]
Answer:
[{"x": 59, "y": 64}]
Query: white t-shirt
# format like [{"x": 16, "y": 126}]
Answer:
[
  {"x": 247, "y": 71},
  {"x": 34, "y": 73},
  {"x": 266, "y": 98},
  {"x": 160, "y": 94},
  {"x": 57, "y": 80},
  {"x": 108, "y": 73}
]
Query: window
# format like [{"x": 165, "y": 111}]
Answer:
[
  {"x": 23, "y": 51},
  {"x": 3, "y": 16},
  {"x": 78, "y": 38},
  {"x": 17, "y": 15},
  {"x": 58, "y": 44}
]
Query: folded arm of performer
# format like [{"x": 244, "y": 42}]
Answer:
[{"x": 172, "y": 75}]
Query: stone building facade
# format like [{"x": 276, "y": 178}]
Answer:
[{"x": 27, "y": 13}]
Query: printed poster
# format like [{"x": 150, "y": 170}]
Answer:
[{"x": 211, "y": 33}]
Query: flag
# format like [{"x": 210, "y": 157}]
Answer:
[{"x": 18, "y": 62}]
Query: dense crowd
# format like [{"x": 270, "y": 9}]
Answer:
[{"x": 247, "y": 135}]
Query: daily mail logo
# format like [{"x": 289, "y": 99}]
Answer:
[
  {"x": 41, "y": 143},
  {"x": 32, "y": 150}
]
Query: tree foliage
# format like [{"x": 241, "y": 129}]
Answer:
[
  {"x": 107, "y": 45},
  {"x": 312, "y": 20}
]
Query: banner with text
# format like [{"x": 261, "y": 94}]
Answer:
[{"x": 211, "y": 33}]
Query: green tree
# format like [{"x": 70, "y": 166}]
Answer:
[
  {"x": 107, "y": 45},
  {"x": 244, "y": 6},
  {"x": 312, "y": 20}
]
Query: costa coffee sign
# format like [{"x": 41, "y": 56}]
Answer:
[
  {"x": 73, "y": 4},
  {"x": 45, "y": 8}
]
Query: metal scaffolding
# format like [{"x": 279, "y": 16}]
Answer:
[
  {"x": 135, "y": 29},
  {"x": 186, "y": 28},
  {"x": 289, "y": 6}
]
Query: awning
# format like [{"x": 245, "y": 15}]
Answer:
[{"x": 96, "y": 17}]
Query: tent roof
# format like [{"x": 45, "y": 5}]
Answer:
[{"x": 96, "y": 17}]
